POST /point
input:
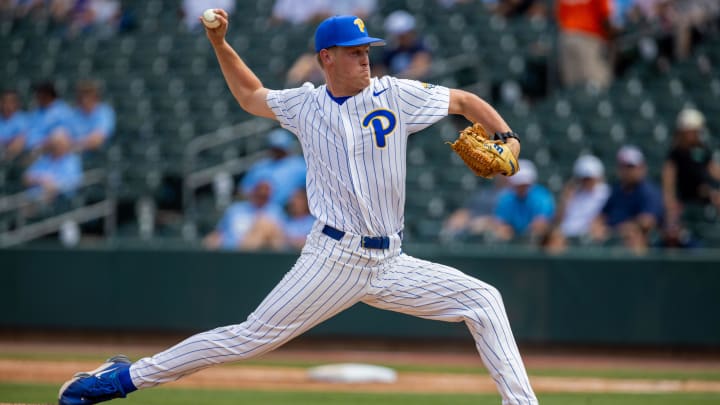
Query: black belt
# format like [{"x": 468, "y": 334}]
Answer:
[{"x": 368, "y": 242}]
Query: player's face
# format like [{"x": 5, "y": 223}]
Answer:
[{"x": 351, "y": 67}]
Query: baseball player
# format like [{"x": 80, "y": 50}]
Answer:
[{"x": 353, "y": 131}]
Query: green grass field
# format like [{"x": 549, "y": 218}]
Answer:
[
  {"x": 30, "y": 393},
  {"x": 46, "y": 394}
]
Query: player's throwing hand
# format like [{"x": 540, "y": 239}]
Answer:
[{"x": 217, "y": 35}]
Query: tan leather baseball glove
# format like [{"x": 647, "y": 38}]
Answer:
[{"x": 485, "y": 157}]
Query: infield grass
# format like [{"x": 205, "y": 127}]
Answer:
[{"x": 47, "y": 394}]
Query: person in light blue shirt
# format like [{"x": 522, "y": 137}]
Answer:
[
  {"x": 13, "y": 125},
  {"x": 299, "y": 222},
  {"x": 51, "y": 113},
  {"x": 526, "y": 209},
  {"x": 94, "y": 121},
  {"x": 58, "y": 172},
  {"x": 244, "y": 224},
  {"x": 284, "y": 170}
]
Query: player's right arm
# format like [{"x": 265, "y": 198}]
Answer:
[{"x": 244, "y": 85}]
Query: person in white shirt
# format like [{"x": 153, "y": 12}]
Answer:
[{"x": 583, "y": 197}]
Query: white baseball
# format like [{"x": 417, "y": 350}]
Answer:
[{"x": 210, "y": 19}]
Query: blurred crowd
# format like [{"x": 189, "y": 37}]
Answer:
[
  {"x": 632, "y": 212},
  {"x": 45, "y": 144},
  {"x": 271, "y": 211},
  {"x": 593, "y": 34},
  {"x": 46, "y": 139},
  {"x": 71, "y": 17}
]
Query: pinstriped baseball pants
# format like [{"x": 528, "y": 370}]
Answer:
[{"x": 329, "y": 277}]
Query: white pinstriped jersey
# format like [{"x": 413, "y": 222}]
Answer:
[
  {"x": 355, "y": 151},
  {"x": 355, "y": 148}
]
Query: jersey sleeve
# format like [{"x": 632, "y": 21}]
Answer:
[
  {"x": 421, "y": 104},
  {"x": 286, "y": 105}
]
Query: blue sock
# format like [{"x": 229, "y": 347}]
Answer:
[{"x": 126, "y": 381}]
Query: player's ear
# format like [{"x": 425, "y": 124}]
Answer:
[{"x": 324, "y": 57}]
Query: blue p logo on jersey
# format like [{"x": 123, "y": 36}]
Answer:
[{"x": 383, "y": 124}]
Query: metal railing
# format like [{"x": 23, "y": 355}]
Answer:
[
  {"x": 23, "y": 201},
  {"x": 103, "y": 209},
  {"x": 195, "y": 177}
]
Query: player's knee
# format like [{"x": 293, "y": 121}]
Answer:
[{"x": 492, "y": 293}]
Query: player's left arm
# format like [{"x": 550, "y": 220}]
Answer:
[{"x": 475, "y": 109}]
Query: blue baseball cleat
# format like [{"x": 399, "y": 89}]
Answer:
[{"x": 101, "y": 384}]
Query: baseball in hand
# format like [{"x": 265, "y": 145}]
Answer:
[{"x": 210, "y": 19}]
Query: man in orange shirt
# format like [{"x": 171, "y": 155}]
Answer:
[{"x": 584, "y": 42}]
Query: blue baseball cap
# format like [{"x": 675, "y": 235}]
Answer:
[{"x": 343, "y": 30}]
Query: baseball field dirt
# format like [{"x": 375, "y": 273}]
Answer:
[
  {"x": 418, "y": 371},
  {"x": 296, "y": 379}
]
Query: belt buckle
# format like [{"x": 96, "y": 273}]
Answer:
[{"x": 362, "y": 242}]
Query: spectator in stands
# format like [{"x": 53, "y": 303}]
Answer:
[
  {"x": 623, "y": 12},
  {"x": 289, "y": 12},
  {"x": 359, "y": 8},
  {"x": 688, "y": 18},
  {"x": 690, "y": 175},
  {"x": 305, "y": 69},
  {"x": 288, "y": 233},
  {"x": 283, "y": 169},
  {"x": 406, "y": 55},
  {"x": 477, "y": 217},
  {"x": 94, "y": 120},
  {"x": 298, "y": 222},
  {"x": 33, "y": 9},
  {"x": 190, "y": 10},
  {"x": 101, "y": 17},
  {"x": 51, "y": 113},
  {"x": 60, "y": 10},
  {"x": 452, "y": 3},
  {"x": 517, "y": 8},
  {"x": 553, "y": 241},
  {"x": 634, "y": 208},
  {"x": 676, "y": 236},
  {"x": 13, "y": 125},
  {"x": 57, "y": 172},
  {"x": 245, "y": 223},
  {"x": 583, "y": 197},
  {"x": 584, "y": 42},
  {"x": 526, "y": 209}
]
